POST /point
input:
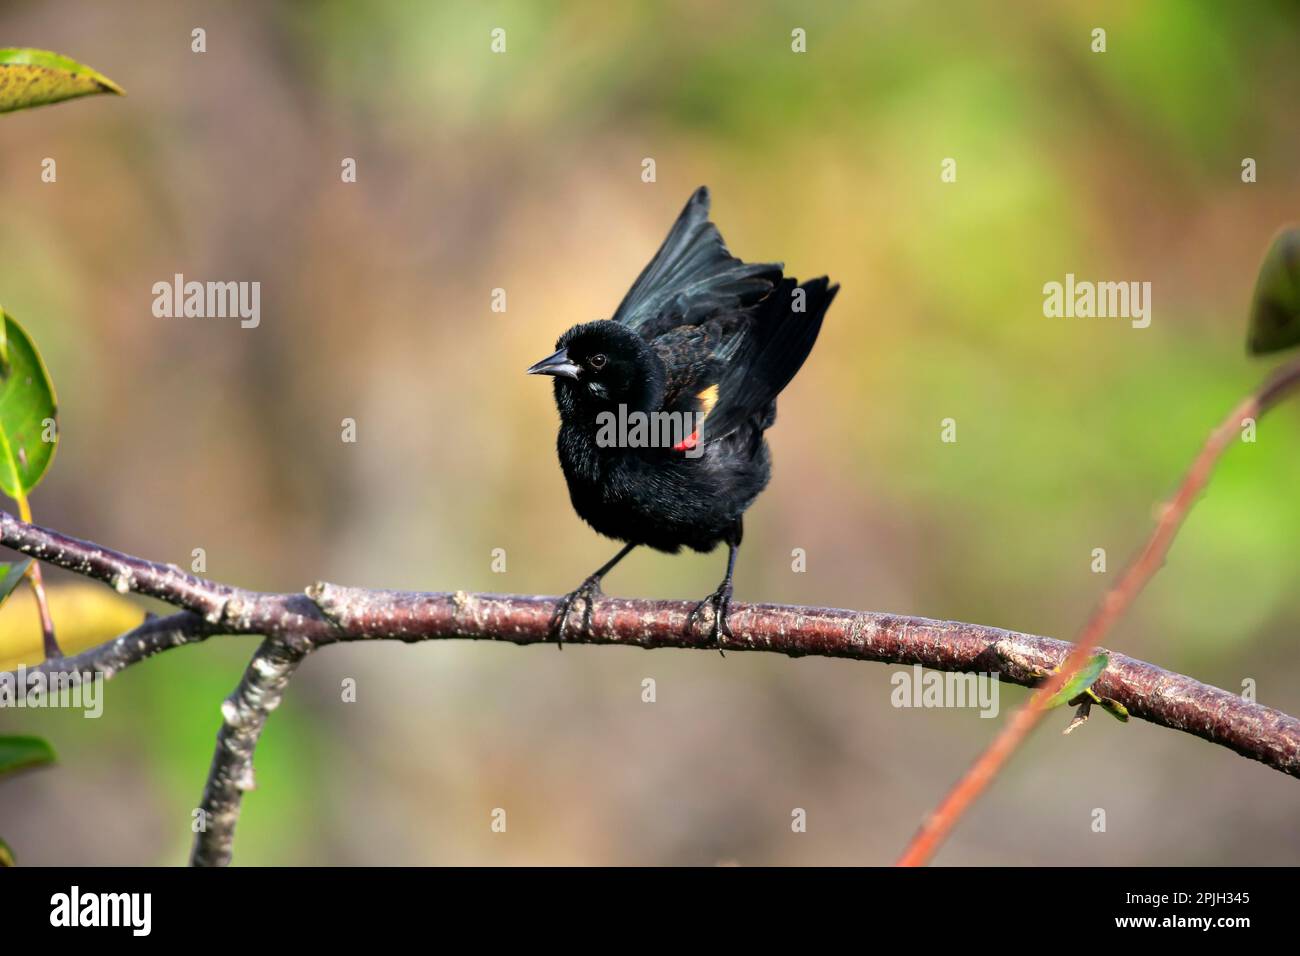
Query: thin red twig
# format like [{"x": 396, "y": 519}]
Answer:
[{"x": 936, "y": 827}]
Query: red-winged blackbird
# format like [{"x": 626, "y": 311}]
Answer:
[{"x": 705, "y": 336}]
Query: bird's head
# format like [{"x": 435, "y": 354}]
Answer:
[{"x": 599, "y": 365}]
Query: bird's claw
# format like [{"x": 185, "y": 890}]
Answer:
[
  {"x": 720, "y": 602},
  {"x": 587, "y": 592}
]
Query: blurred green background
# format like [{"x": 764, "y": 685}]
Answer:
[{"x": 522, "y": 171}]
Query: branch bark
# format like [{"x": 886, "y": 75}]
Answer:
[
  {"x": 243, "y": 715},
  {"x": 297, "y": 624}
]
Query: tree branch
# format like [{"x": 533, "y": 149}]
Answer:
[
  {"x": 936, "y": 827},
  {"x": 155, "y": 635},
  {"x": 166, "y": 582},
  {"x": 296, "y": 624},
  {"x": 243, "y": 715}
]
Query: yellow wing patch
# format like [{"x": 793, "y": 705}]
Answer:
[{"x": 708, "y": 398}]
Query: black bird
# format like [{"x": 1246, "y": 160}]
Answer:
[{"x": 701, "y": 334}]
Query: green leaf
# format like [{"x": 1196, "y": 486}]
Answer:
[
  {"x": 1081, "y": 680},
  {"x": 11, "y": 575},
  {"x": 1275, "y": 309},
  {"x": 6, "y": 855},
  {"x": 27, "y": 401},
  {"x": 36, "y": 77},
  {"x": 18, "y": 753},
  {"x": 1115, "y": 709}
]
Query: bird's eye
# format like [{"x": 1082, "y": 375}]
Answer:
[{"x": 597, "y": 361}]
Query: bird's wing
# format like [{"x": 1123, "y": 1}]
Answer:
[
  {"x": 732, "y": 367},
  {"x": 693, "y": 358},
  {"x": 692, "y": 276}
]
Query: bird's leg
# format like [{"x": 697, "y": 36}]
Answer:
[
  {"x": 587, "y": 592},
  {"x": 720, "y": 600}
]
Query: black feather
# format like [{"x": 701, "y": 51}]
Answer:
[
  {"x": 692, "y": 276},
  {"x": 774, "y": 349}
]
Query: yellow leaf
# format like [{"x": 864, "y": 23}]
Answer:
[
  {"x": 85, "y": 614},
  {"x": 36, "y": 77}
]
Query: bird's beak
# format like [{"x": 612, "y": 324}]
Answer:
[{"x": 557, "y": 364}]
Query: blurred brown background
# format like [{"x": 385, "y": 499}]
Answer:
[{"x": 522, "y": 171}]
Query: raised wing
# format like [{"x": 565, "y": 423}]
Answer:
[
  {"x": 732, "y": 367},
  {"x": 692, "y": 276}
]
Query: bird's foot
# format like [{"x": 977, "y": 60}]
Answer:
[
  {"x": 720, "y": 602},
  {"x": 586, "y": 592}
]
